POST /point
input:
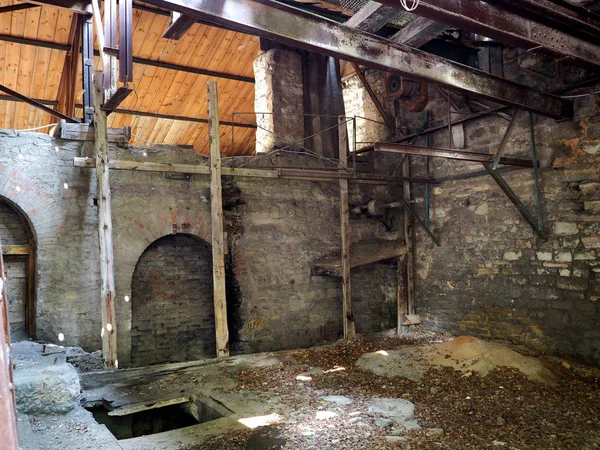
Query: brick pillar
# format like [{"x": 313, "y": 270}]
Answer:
[{"x": 278, "y": 89}]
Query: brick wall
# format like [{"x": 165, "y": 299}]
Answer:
[
  {"x": 172, "y": 302},
  {"x": 12, "y": 229}
]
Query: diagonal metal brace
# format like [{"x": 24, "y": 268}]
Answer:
[
  {"x": 507, "y": 134},
  {"x": 516, "y": 201},
  {"x": 419, "y": 221}
]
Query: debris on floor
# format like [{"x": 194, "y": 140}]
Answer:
[
  {"x": 321, "y": 398},
  {"x": 465, "y": 353}
]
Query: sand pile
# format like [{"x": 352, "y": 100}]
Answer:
[{"x": 467, "y": 354}]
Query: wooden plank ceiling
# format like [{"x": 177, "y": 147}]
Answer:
[{"x": 35, "y": 72}]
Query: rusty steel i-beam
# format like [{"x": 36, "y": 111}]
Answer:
[
  {"x": 297, "y": 28},
  {"x": 506, "y": 26},
  {"x": 406, "y": 149}
]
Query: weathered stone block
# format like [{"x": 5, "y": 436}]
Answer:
[
  {"x": 593, "y": 206},
  {"x": 47, "y": 390},
  {"x": 565, "y": 228},
  {"x": 591, "y": 241},
  {"x": 572, "y": 284},
  {"x": 544, "y": 256},
  {"x": 512, "y": 256},
  {"x": 564, "y": 257}
]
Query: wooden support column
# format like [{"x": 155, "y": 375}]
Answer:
[
  {"x": 8, "y": 413},
  {"x": 401, "y": 297},
  {"x": 408, "y": 238},
  {"x": 216, "y": 214},
  {"x": 349, "y": 330},
  {"x": 107, "y": 274}
]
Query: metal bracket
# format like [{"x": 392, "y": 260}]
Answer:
[
  {"x": 535, "y": 222},
  {"x": 502, "y": 145},
  {"x": 419, "y": 221}
]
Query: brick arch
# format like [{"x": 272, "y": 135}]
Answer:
[
  {"x": 35, "y": 204},
  {"x": 130, "y": 243},
  {"x": 38, "y": 210},
  {"x": 172, "y": 301}
]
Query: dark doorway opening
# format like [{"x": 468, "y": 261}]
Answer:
[
  {"x": 18, "y": 251},
  {"x": 172, "y": 305}
]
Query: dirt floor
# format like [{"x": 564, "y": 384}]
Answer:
[
  {"x": 323, "y": 398},
  {"x": 456, "y": 409}
]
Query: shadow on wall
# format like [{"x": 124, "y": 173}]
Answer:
[{"x": 172, "y": 302}]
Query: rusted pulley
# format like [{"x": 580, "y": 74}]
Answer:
[{"x": 412, "y": 94}]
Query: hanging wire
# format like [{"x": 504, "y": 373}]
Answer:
[
  {"x": 580, "y": 95},
  {"x": 145, "y": 140},
  {"x": 38, "y": 128}
]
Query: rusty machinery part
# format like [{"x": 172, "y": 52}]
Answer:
[{"x": 412, "y": 94}]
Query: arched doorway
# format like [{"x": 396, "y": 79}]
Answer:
[
  {"x": 172, "y": 302},
  {"x": 18, "y": 251}
]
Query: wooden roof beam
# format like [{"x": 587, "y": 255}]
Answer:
[
  {"x": 372, "y": 17},
  {"x": 17, "y": 7},
  {"x": 131, "y": 112},
  {"x": 180, "y": 24},
  {"x": 295, "y": 27},
  {"x": 136, "y": 60},
  {"x": 419, "y": 32},
  {"x": 36, "y": 104}
]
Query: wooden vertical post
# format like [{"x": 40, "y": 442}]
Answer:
[
  {"x": 408, "y": 238},
  {"x": 107, "y": 274},
  {"x": 30, "y": 305},
  {"x": 401, "y": 298},
  {"x": 216, "y": 213},
  {"x": 349, "y": 329},
  {"x": 8, "y": 413}
]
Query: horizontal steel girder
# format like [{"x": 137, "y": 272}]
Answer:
[
  {"x": 505, "y": 26},
  {"x": 300, "y": 29},
  {"x": 448, "y": 153},
  {"x": 576, "y": 20}
]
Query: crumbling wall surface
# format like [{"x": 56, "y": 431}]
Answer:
[
  {"x": 286, "y": 225},
  {"x": 492, "y": 276}
]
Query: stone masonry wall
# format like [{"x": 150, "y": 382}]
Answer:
[
  {"x": 492, "y": 276},
  {"x": 172, "y": 302},
  {"x": 275, "y": 229}
]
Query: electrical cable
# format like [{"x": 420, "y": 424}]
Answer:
[
  {"x": 580, "y": 95},
  {"x": 38, "y": 128}
]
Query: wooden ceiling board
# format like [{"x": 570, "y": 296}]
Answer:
[{"x": 36, "y": 72}]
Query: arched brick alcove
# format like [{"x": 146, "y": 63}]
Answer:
[
  {"x": 16, "y": 236},
  {"x": 172, "y": 308}
]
